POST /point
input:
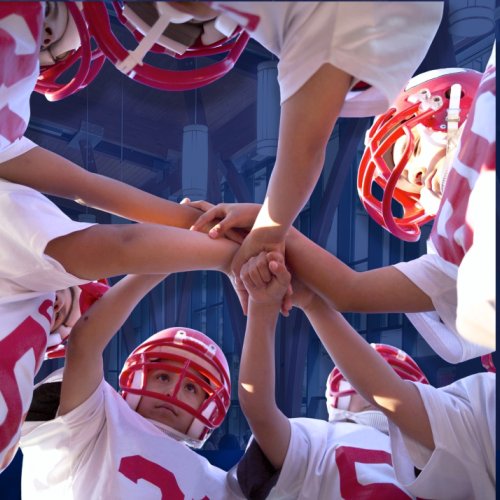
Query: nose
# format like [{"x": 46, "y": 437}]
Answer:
[{"x": 415, "y": 174}]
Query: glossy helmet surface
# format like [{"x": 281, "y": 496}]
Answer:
[
  {"x": 338, "y": 388},
  {"x": 425, "y": 101},
  {"x": 159, "y": 28},
  {"x": 91, "y": 292},
  {"x": 66, "y": 46},
  {"x": 488, "y": 364},
  {"x": 190, "y": 350}
]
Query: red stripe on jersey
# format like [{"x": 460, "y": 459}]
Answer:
[{"x": 451, "y": 235}]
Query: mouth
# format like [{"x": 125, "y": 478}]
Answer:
[{"x": 166, "y": 408}]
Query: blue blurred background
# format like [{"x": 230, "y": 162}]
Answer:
[{"x": 219, "y": 143}]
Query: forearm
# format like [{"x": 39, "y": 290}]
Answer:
[
  {"x": 306, "y": 123},
  {"x": 290, "y": 186},
  {"x": 114, "y": 250},
  {"x": 83, "y": 365},
  {"x": 52, "y": 174},
  {"x": 369, "y": 374},
  {"x": 256, "y": 390},
  {"x": 379, "y": 290}
]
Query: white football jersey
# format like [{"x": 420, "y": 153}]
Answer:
[
  {"x": 328, "y": 461},
  {"x": 459, "y": 271},
  {"x": 28, "y": 282},
  {"x": 463, "y": 421},
  {"x": 379, "y": 43},
  {"x": 20, "y": 32},
  {"x": 103, "y": 450}
]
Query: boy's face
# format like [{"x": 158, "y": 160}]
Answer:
[
  {"x": 164, "y": 381},
  {"x": 66, "y": 309},
  {"x": 424, "y": 170}
]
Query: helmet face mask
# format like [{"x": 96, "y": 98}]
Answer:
[
  {"x": 413, "y": 135},
  {"x": 160, "y": 28},
  {"x": 339, "y": 391},
  {"x": 82, "y": 297},
  {"x": 188, "y": 356},
  {"x": 66, "y": 44}
]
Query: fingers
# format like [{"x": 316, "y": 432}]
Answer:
[
  {"x": 280, "y": 272},
  {"x": 202, "y": 205},
  {"x": 287, "y": 302},
  {"x": 242, "y": 294},
  {"x": 257, "y": 271},
  {"x": 209, "y": 216}
]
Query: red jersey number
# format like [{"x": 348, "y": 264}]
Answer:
[
  {"x": 136, "y": 467},
  {"x": 29, "y": 335},
  {"x": 346, "y": 458}
]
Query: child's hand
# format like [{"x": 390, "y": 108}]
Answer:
[
  {"x": 266, "y": 278},
  {"x": 232, "y": 220}
]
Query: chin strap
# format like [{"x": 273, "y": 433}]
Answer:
[
  {"x": 178, "y": 436},
  {"x": 370, "y": 418},
  {"x": 453, "y": 118},
  {"x": 167, "y": 15},
  {"x": 452, "y": 129}
]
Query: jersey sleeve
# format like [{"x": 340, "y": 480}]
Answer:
[
  {"x": 28, "y": 222},
  {"x": 379, "y": 43},
  {"x": 53, "y": 450},
  {"x": 20, "y": 32},
  {"x": 462, "y": 465},
  {"x": 17, "y": 148},
  {"x": 437, "y": 278}
]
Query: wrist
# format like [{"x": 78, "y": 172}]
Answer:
[
  {"x": 267, "y": 309},
  {"x": 314, "y": 305}
]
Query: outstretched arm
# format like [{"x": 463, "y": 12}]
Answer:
[
  {"x": 367, "y": 371},
  {"x": 379, "y": 290},
  {"x": 256, "y": 390},
  {"x": 83, "y": 368},
  {"x": 306, "y": 123},
  {"x": 52, "y": 174}
]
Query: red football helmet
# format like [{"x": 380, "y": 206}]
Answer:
[
  {"x": 426, "y": 101},
  {"x": 194, "y": 350},
  {"x": 160, "y": 28},
  {"x": 91, "y": 292},
  {"x": 66, "y": 41},
  {"x": 488, "y": 364},
  {"x": 337, "y": 387}
]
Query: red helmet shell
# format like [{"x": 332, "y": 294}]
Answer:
[
  {"x": 153, "y": 76},
  {"x": 90, "y": 61},
  {"x": 402, "y": 363},
  {"x": 424, "y": 101},
  {"x": 488, "y": 364},
  {"x": 192, "y": 350},
  {"x": 91, "y": 292}
]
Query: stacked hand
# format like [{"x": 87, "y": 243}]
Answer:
[
  {"x": 234, "y": 221},
  {"x": 267, "y": 280}
]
